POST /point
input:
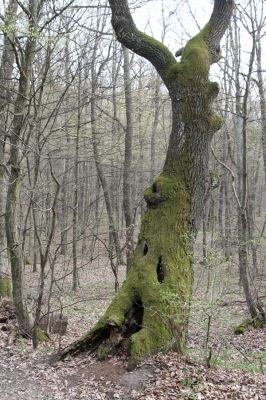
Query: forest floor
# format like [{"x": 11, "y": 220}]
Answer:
[{"x": 218, "y": 364}]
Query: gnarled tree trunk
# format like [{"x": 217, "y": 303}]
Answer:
[{"x": 151, "y": 311}]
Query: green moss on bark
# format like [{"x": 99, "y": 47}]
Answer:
[
  {"x": 191, "y": 78},
  {"x": 195, "y": 63},
  {"x": 168, "y": 56},
  {"x": 5, "y": 287},
  {"x": 163, "y": 303},
  {"x": 41, "y": 335},
  {"x": 216, "y": 122},
  {"x": 247, "y": 323},
  {"x": 166, "y": 304}
]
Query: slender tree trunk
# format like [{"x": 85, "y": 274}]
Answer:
[
  {"x": 86, "y": 209},
  {"x": 141, "y": 140},
  {"x": 6, "y": 71},
  {"x": 100, "y": 171},
  {"x": 155, "y": 126},
  {"x": 221, "y": 212},
  {"x": 127, "y": 203},
  {"x": 15, "y": 175},
  {"x": 227, "y": 222},
  {"x": 115, "y": 175},
  {"x": 37, "y": 334},
  {"x": 256, "y": 312},
  {"x": 251, "y": 219},
  {"x": 75, "y": 281},
  {"x": 261, "y": 88},
  {"x": 227, "y": 154},
  {"x": 64, "y": 206}
]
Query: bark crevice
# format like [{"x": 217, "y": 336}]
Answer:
[{"x": 160, "y": 270}]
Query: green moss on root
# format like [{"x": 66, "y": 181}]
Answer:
[
  {"x": 247, "y": 323},
  {"x": 41, "y": 335},
  {"x": 104, "y": 350}
]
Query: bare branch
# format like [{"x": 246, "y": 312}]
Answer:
[
  {"x": 146, "y": 46},
  {"x": 232, "y": 176}
]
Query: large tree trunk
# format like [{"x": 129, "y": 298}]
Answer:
[{"x": 151, "y": 311}]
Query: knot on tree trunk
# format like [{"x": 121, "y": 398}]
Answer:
[{"x": 153, "y": 196}]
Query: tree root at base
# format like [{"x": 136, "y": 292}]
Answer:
[{"x": 109, "y": 338}]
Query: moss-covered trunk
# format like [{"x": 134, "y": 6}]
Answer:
[{"x": 151, "y": 311}]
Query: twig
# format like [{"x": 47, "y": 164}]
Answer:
[{"x": 232, "y": 176}]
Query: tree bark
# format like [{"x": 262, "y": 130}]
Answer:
[
  {"x": 151, "y": 311},
  {"x": 6, "y": 71},
  {"x": 127, "y": 203},
  {"x": 254, "y": 307},
  {"x": 155, "y": 126},
  {"x": 15, "y": 174},
  {"x": 64, "y": 205},
  {"x": 259, "y": 22},
  {"x": 75, "y": 281}
]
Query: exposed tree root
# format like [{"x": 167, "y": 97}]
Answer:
[{"x": 109, "y": 338}]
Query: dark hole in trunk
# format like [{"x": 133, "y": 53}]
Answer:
[
  {"x": 99, "y": 337},
  {"x": 134, "y": 317},
  {"x": 160, "y": 271},
  {"x": 145, "y": 248},
  {"x": 154, "y": 188}
]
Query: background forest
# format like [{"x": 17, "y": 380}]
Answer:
[{"x": 84, "y": 129}]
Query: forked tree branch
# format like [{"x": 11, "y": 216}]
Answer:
[{"x": 153, "y": 50}]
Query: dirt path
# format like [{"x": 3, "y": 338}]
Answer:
[
  {"x": 14, "y": 386},
  {"x": 31, "y": 377},
  {"x": 21, "y": 382}
]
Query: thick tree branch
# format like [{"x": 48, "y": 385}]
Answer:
[
  {"x": 146, "y": 46},
  {"x": 219, "y": 21}
]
